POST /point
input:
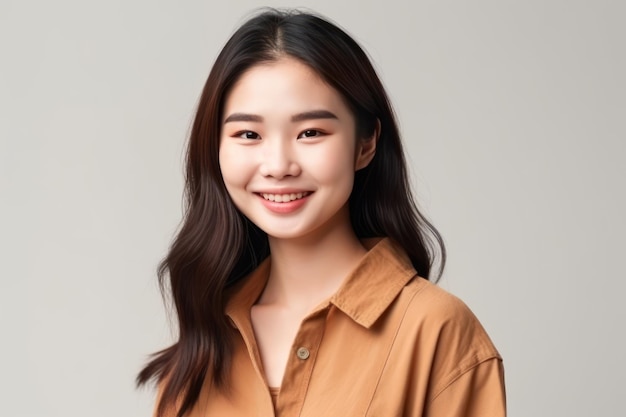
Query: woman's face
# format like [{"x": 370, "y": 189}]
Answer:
[{"x": 288, "y": 150}]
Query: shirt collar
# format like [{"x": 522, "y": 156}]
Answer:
[
  {"x": 364, "y": 295},
  {"x": 375, "y": 282}
]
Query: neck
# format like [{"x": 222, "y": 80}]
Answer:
[{"x": 308, "y": 270}]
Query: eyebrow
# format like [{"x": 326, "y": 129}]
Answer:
[
  {"x": 313, "y": 115},
  {"x": 307, "y": 115},
  {"x": 243, "y": 117}
]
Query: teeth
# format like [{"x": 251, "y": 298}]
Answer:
[{"x": 284, "y": 198}]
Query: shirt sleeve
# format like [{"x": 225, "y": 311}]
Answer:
[{"x": 478, "y": 392}]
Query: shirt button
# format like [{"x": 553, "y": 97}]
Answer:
[{"x": 303, "y": 353}]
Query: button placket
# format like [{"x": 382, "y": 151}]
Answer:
[{"x": 300, "y": 364}]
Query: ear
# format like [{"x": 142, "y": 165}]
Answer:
[{"x": 366, "y": 148}]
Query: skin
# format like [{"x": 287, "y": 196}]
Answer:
[{"x": 286, "y": 132}]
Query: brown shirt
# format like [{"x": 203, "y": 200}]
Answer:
[{"x": 388, "y": 343}]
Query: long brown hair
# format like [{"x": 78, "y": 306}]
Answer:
[{"x": 217, "y": 246}]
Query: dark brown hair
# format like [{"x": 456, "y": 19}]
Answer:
[{"x": 216, "y": 245}]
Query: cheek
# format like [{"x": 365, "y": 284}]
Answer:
[
  {"x": 333, "y": 166},
  {"x": 232, "y": 167}
]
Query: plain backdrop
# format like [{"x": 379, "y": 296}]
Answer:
[{"x": 513, "y": 114}]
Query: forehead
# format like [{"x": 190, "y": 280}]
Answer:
[{"x": 286, "y": 86}]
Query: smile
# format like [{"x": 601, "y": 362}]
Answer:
[{"x": 284, "y": 198}]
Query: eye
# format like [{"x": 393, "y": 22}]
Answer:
[
  {"x": 310, "y": 133},
  {"x": 247, "y": 134}
]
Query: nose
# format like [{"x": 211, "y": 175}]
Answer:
[{"x": 279, "y": 159}]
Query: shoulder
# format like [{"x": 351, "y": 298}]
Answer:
[
  {"x": 444, "y": 330},
  {"x": 432, "y": 305}
]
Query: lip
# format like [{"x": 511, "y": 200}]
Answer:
[
  {"x": 281, "y": 191},
  {"x": 284, "y": 207}
]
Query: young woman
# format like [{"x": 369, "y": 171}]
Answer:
[{"x": 299, "y": 275}]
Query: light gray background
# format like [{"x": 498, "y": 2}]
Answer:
[{"x": 513, "y": 113}]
